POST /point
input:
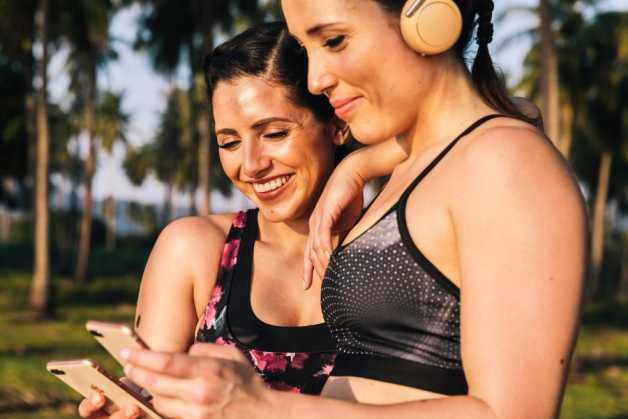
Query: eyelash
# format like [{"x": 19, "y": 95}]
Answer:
[
  {"x": 272, "y": 136},
  {"x": 276, "y": 135},
  {"x": 334, "y": 42},
  {"x": 229, "y": 145}
]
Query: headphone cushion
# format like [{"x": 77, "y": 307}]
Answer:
[{"x": 434, "y": 28}]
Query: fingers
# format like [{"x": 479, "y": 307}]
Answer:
[
  {"x": 229, "y": 353},
  {"x": 172, "y": 364},
  {"x": 128, "y": 412},
  {"x": 90, "y": 407},
  {"x": 308, "y": 267},
  {"x": 154, "y": 382}
]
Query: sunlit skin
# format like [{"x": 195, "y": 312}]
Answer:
[
  {"x": 501, "y": 216},
  {"x": 263, "y": 136}
]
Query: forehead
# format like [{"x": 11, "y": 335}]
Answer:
[
  {"x": 245, "y": 100},
  {"x": 302, "y": 15}
]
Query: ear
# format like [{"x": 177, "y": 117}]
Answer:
[{"x": 340, "y": 131}]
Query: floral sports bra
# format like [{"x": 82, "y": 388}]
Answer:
[{"x": 297, "y": 359}]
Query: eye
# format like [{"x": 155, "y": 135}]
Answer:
[
  {"x": 334, "y": 42},
  {"x": 276, "y": 134},
  {"x": 229, "y": 145}
]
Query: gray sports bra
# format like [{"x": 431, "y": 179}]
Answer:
[{"x": 395, "y": 317}]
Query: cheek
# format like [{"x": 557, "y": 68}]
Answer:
[{"x": 229, "y": 162}]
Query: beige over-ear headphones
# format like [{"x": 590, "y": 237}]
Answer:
[{"x": 431, "y": 26}]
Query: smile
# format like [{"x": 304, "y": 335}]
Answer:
[{"x": 271, "y": 185}]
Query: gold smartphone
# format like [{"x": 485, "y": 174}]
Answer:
[
  {"x": 84, "y": 376},
  {"x": 114, "y": 337}
]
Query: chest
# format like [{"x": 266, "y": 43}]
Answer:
[{"x": 277, "y": 296}]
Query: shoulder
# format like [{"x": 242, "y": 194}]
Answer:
[
  {"x": 511, "y": 165},
  {"x": 196, "y": 235},
  {"x": 513, "y": 151}
]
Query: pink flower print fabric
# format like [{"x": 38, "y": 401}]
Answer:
[
  {"x": 297, "y": 372},
  {"x": 230, "y": 254}
]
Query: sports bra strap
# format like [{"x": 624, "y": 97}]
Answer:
[{"x": 443, "y": 153}]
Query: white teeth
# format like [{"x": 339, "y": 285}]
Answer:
[{"x": 272, "y": 185}]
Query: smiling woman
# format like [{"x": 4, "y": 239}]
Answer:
[
  {"x": 457, "y": 293},
  {"x": 234, "y": 279}
]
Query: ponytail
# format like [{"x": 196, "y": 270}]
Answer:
[{"x": 487, "y": 81}]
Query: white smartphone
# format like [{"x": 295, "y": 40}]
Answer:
[
  {"x": 84, "y": 376},
  {"x": 114, "y": 337}
]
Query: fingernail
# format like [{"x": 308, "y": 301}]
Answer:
[
  {"x": 131, "y": 412},
  {"x": 125, "y": 353},
  {"x": 97, "y": 399},
  {"x": 327, "y": 254}
]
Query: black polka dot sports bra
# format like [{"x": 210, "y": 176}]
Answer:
[{"x": 395, "y": 317}]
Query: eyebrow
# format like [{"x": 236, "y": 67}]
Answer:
[
  {"x": 317, "y": 29},
  {"x": 267, "y": 121},
  {"x": 256, "y": 125},
  {"x": 226, "y": 131}
]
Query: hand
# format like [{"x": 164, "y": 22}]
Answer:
[
  {"x": 212, "y": 381},
  {"x": 336, "y": 211},
  {"x": 93, "y": 408}
]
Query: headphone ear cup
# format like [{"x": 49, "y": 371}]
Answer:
[{"x": 433, "y": 28}]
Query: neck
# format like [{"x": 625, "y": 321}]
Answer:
[
  {"x": 451, "y": 104},
  {"x": 290, "y": 235}
]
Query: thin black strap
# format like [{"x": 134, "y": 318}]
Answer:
[{"x": 443, "y": 153}]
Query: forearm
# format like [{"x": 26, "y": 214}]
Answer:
[
  {"x": 289, "y": 406},
  {"x": 374, "y": 161}
]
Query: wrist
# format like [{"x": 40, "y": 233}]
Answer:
[{"x": 353, "y": 168}]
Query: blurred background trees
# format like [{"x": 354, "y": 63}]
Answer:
[
  {"x": 575, "y": 70},
  {"x": 62, "y": 241}
]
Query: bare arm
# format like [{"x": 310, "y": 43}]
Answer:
[
  {"x": 521, "y": 234},
  {"x": 344, "y": 185},
  {"x": 177, "y": 281}
]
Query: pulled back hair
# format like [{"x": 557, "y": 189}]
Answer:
[
  {"x": 489, "y": 84},
  {"x": 267, "y": 51}
]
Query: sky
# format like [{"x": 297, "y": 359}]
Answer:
[{"x": 145, "y": 93}]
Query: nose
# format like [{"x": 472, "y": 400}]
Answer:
[
  {"x": 319, "y": 79},
  {"x": 255, "y": 161}
]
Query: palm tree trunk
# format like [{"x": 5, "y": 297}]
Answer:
[
  {"x": 110, "y": 215},
  {"x": 622, "y": 293},
  {"x": 566, "y": 132},
  {"x": 599, "y": 211},
  {"x": 40, "y": 290},
  {"x": 204, "y": 130},
  {"x": 80, "y": 274},
  {"x": 549, "y": 74},
  {"x": 166, "y": 212}
]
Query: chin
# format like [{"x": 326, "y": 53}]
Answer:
[
  {"x": 368, "y": 131},
  {"x": 279, "y": 213}
]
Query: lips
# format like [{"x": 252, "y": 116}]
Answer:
[
  {"x": 270, "y": 188},
  {"x": 344, "y": 107}
]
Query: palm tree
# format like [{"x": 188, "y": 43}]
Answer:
[
  {"x": 177, "y": 32},
  {"x": 549, "y": 73},
  {"x": 39, "y": 298},
  {"x": 88, "y": 35},
  {"x": 549, "y": 62},
  {"x": 605, "y": 60}
]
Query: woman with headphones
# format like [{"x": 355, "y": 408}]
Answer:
[{"x": 457, "y": 294}]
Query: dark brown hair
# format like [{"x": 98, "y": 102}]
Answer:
[
  {"x": 488, "y": 82},
  {"x": 267, "y": 51}
]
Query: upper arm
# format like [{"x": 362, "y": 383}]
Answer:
[
  {"x": 178, "y": 277},
  {"x": 521, "y": 236}
]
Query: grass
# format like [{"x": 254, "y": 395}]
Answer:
[{"x": 597, "y": 387}]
